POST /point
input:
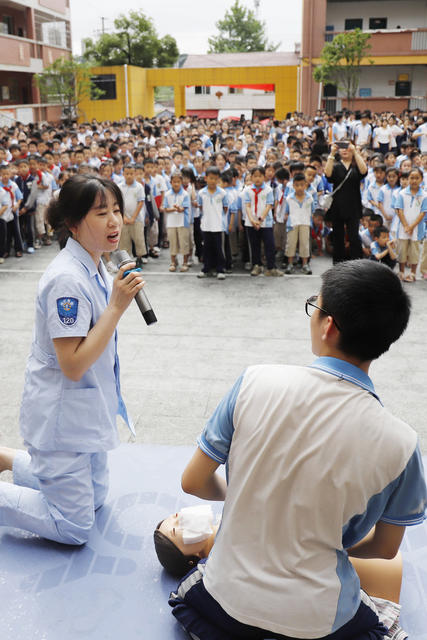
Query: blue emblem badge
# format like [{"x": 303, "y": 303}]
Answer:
[{"x": 67, "y": 310}]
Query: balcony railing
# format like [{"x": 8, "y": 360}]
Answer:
[
  {"x": 389, "y": 42},
  {"x": 18, "y": 51}
]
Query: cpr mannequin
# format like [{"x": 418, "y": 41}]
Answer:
[{"x": 182, "y": 539}]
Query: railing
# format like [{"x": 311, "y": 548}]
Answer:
[{"x": 392, "y": 41}]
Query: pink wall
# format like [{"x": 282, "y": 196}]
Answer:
[
  {"x": 54, "y": 5},
  {"x": 14, "y": 52}
]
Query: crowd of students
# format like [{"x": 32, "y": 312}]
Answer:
[{"x": 231, "y": 194}]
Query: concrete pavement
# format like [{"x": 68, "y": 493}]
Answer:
[{"x": 175, "y": 372}]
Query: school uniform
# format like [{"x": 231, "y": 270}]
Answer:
[
  {"x": 373, "y": 196},
  {"x": 133, "y": 194},
  {"x": 298, "y": 225},
  {"x": 67, "y": 426},
  {"x": 213, "y": 212},
  {"x": 12, "y": 194},
  {"x": 178, "y": 222},
  {"x": 287, "y": 572},
  {"x": 259, "y": 198},
  {"x": 376, "y": 249},
  {"x": 386, "y": 196},
  {"x": 279, "y": 228},
  {"x": 412, "y": 206},
  {"x": 39, "y": 198}
]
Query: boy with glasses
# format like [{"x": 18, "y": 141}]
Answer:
[{"x": 318, "y": 470}]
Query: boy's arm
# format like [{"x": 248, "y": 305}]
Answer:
[
  {"x": 199, "y": 478},
  {"x": 136, "y": 212},
  {"x": 383, "y": 541}
]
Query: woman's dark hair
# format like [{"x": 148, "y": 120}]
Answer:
[
  {"x": 75, "y": 198},
  {"x": 369, "y": 304},
  {"x": 170, "y": 557}
]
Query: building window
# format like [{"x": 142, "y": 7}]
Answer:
[
  {"x": 7, "y": 25},
  {"x": 330, "y": 91},
  {"x": 402, "y": 88},
  {"x": 365, "y": 93},
  {"x": 378, "y": 23},
  {"x": 329, "y": 35},
  {"x": 107, "y": 83},
  {"x": 353, "y": 23},
  {"x": 54, "y": 34},
  {"x": 235, "y": 90},
  {"x": 202, "y": 90}
]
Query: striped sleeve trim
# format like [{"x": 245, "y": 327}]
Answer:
[
  {"x": 210, "y": 451},
  {"x": 407, "y": 521}
]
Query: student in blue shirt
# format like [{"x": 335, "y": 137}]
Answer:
[{"x": 72, "y": 389}]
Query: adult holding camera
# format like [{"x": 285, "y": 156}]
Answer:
[{"x": 345, "y": 173}]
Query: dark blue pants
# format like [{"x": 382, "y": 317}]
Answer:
[
  {"x": 267, "y": 237},
  {"x": 13, "y": 231},
  {"x": 213, "y": 254},
  {"x": 202, "y": 616},
  {"x": 198, "y": 239}
]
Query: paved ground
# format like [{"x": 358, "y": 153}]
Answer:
[{"x": 174, "y": 373}]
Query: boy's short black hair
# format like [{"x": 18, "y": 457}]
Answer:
[
  {"x": 282, "y": 174},
  {"x": 320, "y": 213},
  {"x": 170, "y": 557},
  {"x": 379, "y": 230},
  {"x": 259, "y": 169},
  {"x": 213, "y": 171},
  {"x": 299, "y": 177},
  {"x": 380, "y": 167},
  {"x": 227, "y": 176},
  {"x": 366, "y": 211},
  {"x": 368, "y": 302},
  {"x": 296, "y": 166}
]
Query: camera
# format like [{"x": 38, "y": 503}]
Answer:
[{"x": 342, "y": 144}]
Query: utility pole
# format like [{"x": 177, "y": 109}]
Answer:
[
  {"x": 103, "y": 25},
  {"x": 257, "y": 3}
]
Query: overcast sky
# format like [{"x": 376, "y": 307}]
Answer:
[{"x": 190, "y": 22}]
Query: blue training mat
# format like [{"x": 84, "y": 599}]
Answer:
[{"x": 114, "y": 587}]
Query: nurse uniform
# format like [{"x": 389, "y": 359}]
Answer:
[{"x": 67, "y": 426}]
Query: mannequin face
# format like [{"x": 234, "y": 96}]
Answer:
[{"x": 171, "y": 529}]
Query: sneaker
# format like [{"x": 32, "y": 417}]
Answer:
[
  {"x": 37, "y": 244},
  {"x": 275, "y": 273},
  {"x": 156, "y": 250},
  {"x": 202, "y": 274},
  {"x": 289, "y": 269},
  {"x": 229, "y": 271},
  {"x": 306, "y": 270},
  {"x": 173, "y": 267},
  {"x": 248, "y": 266},
  {"x": 184, "y": 268},
  {"x": 256, "y": 270},
  {"x": 190, "y": 263},
  {"x": 1, "y": 260},
  {"x": 144, "y": 260},
  {"x": 30, "y": 250},
  {"x": 220, "y": 276}
]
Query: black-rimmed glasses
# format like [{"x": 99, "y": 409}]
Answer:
[{"x": 311, "y": 302}]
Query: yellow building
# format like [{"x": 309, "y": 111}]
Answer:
[{"x": 129, "y": 90}]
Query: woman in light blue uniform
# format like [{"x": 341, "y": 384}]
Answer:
[{"x": 72, "y": 390}]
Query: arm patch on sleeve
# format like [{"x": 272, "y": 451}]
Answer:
[{"x": 67, "y": 310}]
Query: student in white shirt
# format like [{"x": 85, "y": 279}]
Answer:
[
  {"x": 177, "y": 211},
  {"x": 133, "y": 218},
  {"x": 297, "y": 502},
  {"x": 299, "y": 209},
  {"x": 213, "y": 204},
  {"x": 259, "y": 203}
]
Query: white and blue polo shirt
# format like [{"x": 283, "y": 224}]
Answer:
[
  {"x": 213, "y": 210},
  {"x": 412, "y": 206},
  {"x": 314, "y": 460}
]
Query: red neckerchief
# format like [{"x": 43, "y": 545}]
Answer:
[
  {"x": 9, "y": 190},
  {"x": 256, "y": 191},
  {"x": 39, "y": 176}
]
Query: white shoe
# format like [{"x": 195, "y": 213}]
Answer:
[
  {"x": 156, "y": 250},
  {"x": 1, "y": 260},
  {"x": 144, "y": 260},
  {"x": 220, "y": 276},
  {"x": 30, "y": 250}
]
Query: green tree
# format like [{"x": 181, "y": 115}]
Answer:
[
  {"x": 240, "y": 31},
  {"x": 340, "y": 61},
  {"x": 134, "y": 41},
  {"x": 67, "y": 81}
]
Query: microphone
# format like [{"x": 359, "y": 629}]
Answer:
[{"x": 140, "y": 298}]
